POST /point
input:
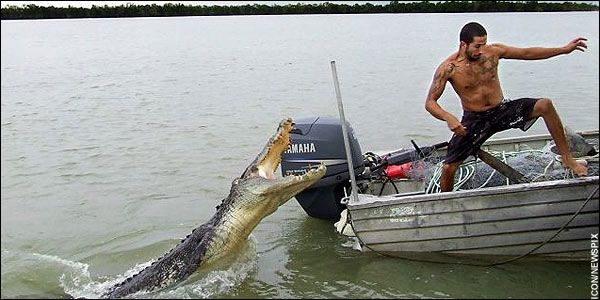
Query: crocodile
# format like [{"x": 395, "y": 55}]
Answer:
[{"x": 253, "y": 196}]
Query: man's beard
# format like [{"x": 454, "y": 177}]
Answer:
[{"x": 472, "y": 58}]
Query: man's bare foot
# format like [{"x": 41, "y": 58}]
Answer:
[{"x": 579, "y": 167}]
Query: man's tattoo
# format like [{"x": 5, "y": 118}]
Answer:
[
  {"x": 489, "y": 65},
  {"x": 437, "y": 79},
  {"x": 449, "y": 69}
]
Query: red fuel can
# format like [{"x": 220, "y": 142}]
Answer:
[{"x": 398, "y": 171}]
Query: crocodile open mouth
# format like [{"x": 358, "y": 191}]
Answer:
[{"x": 275, "y": 147}]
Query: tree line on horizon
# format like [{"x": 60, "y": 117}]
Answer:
[{"x": 32, "y": 11}]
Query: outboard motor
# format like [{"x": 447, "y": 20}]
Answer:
[{"x": 318, "y": 140}]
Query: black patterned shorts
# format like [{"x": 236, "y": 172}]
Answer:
[{"x": 482, "y": 125}]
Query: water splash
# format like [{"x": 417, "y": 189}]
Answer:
[
  {"x": 218, "y": 279},
  {"x": 79, "y": 283}
]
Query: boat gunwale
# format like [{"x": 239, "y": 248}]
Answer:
[
  {"x": 593, "y": 133},
  {"x": 480, "y": 192}
]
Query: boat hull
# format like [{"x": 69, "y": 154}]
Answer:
[{"x": 550, "y": 220}]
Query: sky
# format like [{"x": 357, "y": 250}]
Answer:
[{"x": 207, "y": 3}]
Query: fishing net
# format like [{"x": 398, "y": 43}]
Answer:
[{"x": 535, "y": 165}]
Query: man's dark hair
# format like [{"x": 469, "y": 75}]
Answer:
[{"x": 471, "y": 30}]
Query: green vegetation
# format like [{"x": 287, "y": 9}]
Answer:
[{"x": 32, "y": 11}]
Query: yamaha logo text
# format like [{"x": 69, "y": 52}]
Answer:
[{"x": 301, "y": 148}]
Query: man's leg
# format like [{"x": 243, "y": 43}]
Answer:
[
  {"x": 545, "y": 109},
  {"x": 447, "y": 178}
]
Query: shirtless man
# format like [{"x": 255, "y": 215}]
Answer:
[{"x": 473, "y": 73}]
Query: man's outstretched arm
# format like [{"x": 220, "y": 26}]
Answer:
[{"x": 534, "y": 53}]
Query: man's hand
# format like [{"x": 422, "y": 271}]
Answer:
[
  {"x": 576, "y": 44},
  {"x": 455, "y": 126}
]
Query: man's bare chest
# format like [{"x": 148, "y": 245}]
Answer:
[{"x": 467, "y": 74}]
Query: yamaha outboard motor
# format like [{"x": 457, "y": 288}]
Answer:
[{"x": 318, "y": 140}]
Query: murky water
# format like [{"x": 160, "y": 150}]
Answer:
[{"x": 119, "y": 136}]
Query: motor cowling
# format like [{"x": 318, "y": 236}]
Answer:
[{"x": 317, "y": 140}]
